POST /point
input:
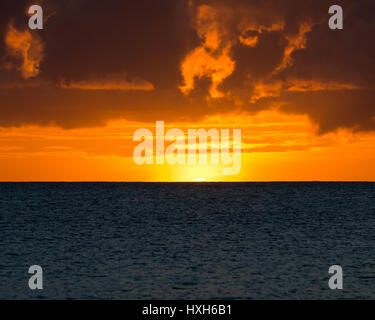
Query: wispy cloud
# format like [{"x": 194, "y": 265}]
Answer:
[
  {"x": 110, "y": 82},
  {"x": 27, "y": 48}
]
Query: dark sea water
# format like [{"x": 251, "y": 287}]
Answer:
[{"x": 187, "y": 240}]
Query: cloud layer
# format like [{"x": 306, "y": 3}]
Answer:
[{"x": 182, "y": 60}]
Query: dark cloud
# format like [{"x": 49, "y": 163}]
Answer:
[{"x": 148, "y": 41}]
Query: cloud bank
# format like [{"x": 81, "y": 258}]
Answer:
[{"x": 186, "y": 59}]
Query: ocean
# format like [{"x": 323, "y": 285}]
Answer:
[{"x": 187, "y": 240}]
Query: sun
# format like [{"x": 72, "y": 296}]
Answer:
[{"x": 198, "y": 173}]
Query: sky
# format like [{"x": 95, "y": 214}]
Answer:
[{"x": 73, "y": 94}]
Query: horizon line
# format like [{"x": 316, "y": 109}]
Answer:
[{"x": 191, "y": 181}]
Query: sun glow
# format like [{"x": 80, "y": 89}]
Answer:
[{"x": 198, "y": 173}]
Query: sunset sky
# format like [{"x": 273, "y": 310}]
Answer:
[{"x": 73, "y": 94}]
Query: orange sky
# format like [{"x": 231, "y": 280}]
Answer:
[
  {"x": 72, "y": 97},
  {"x": 275, "y": 147}
]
